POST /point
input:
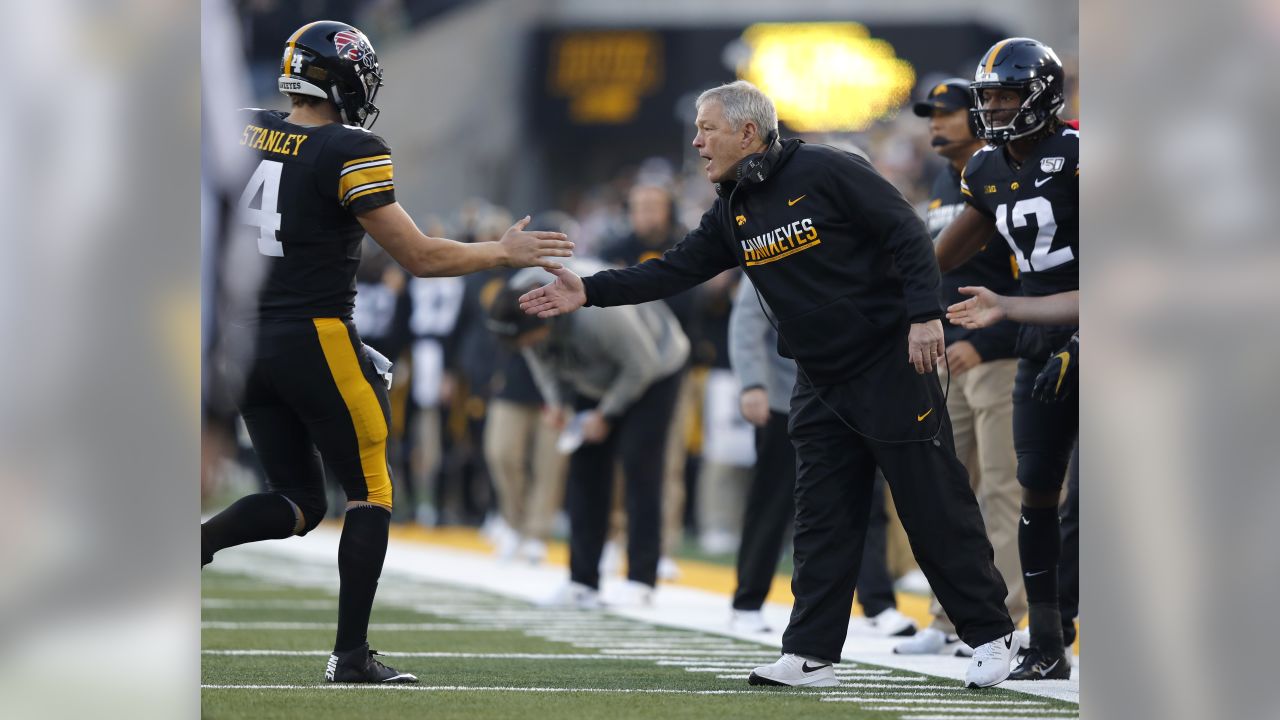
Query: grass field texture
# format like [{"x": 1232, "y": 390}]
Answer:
[{"x": 479, "y": 655}]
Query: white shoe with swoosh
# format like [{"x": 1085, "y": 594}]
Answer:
[{"x": 795, "y": 671}]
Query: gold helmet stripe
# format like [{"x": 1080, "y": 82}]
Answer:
[{"x": 995, "y": 51}]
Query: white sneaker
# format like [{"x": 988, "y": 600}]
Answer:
[
  {"x": 610, "y": 559},
  {"x": 1024, "y": 638},
  {"x": 533, "y": 551},
  {"x": 574, "y": 595},
  {"x": 748, "y": 621},
  {"x": 634, "y": 594},
  {"x": 796, "y": 671},
  {"x": 667, "y": 569},
  {"x": 913, "y": 582},
  {"x": 990, "y": 663},
  {"x": 891, "y": 623},
  {"x": 505, "y": 543}
]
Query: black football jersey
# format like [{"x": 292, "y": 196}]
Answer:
[
  {"x": 1035, "y": 208},
  {"x": 992, "y": 267},
  {"x": 307, "y": 186}
]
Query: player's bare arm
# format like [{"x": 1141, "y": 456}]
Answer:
[
  {"x": 561, "y": 297},
  {"x": 963, "y": 238},
  {"x": 425, "y": 256},
  {"x": 985, "y": 308}
]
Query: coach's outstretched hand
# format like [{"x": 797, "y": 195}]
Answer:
[
  {"x": 528, "y": 248},
  {"x": 561, "y": 297}
]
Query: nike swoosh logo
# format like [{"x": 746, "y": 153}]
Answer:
[
  {"x": 1008, "y": 642},
  {"x": 805, "y": 667},
  {"x": 1046, "y": 671},
  {"x": 1062, "y": 372},
  {"x": 1042, "y": 181},
  {"x": 1025, "y": 521},
  {"x": 1033, "y": 574},
  {"x": 920, "y": 418},
  {"x": 793, "y": 202}
]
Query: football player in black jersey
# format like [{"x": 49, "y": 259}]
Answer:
[
  {"x": 320, "y": 182},
  {"x": 1026, "y": 185}
]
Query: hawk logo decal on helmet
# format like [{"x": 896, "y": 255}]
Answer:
[{"x": 351, "y": 45}]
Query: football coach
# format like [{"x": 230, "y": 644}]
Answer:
[{"x": 849, "y": 269}]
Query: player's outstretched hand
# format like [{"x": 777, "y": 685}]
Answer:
[
  {"x": 528, "y": 248},
  {"x": 561, "y": 297},
  {"x": 981, "y": 310},
  {"x": 925, "y": 345}
]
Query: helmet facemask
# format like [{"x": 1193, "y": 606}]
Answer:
[{"x": 1029, "y": 117}]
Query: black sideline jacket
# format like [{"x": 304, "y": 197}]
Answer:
[{"x": 834, "y": 248}]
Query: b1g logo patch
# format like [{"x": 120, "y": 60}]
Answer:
[{"x": 1051, "y": 165}]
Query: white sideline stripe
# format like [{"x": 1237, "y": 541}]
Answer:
[
  {"x": 969, "y": 712},
  {"x": 462, "y": 688},
  {"x": 973, "y": 718},
  {"x": 983, "y": 703},
  {"x": 399, "y": 627},
  {"x": 481, "y": 656},
  {"x": 749, "y": 668},
  {"x": 269, "y": 604},
  {"x": 729, "y": 653},
  {"x": 860, "y": 683}
]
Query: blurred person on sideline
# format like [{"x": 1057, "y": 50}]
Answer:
[
  {"x": 847, "y": 265},
  {"x": 728, "y": 449},
  {"x": 520, "y": 449},
  {"x": 767, "y": 379},
  {"x": 1025, "y": 184},
  {"x": 651, "y": 212},
  {"x": 617, "y": 370},
  {"x": 980, "y": 365},
  {"x": 321, "y": 182}
]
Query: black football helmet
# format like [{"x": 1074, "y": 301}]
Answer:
[
  {"x": 335, "y": 61},
  {"x": 1032, "y": 69}
]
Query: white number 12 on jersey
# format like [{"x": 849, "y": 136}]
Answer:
[
  {"x": 1041, "y": 258},
  {"x": 264, "y": 217}
]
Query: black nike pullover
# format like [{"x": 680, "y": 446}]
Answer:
[{"x": 833, "y": 247}]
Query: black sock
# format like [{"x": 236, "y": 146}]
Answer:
[
  {"x": 1045, "y": 622},
  {"x": 1039, "y": 546},
  {"x": 360, "y": 554},
  {"x": 264, "y": 516}
]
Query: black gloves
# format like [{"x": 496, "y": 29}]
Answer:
[{"x": 1060, "y": 376}]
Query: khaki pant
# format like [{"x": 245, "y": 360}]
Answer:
[
  {"x": 980, "y": 403},
  {"x": 528, "y": 472}
]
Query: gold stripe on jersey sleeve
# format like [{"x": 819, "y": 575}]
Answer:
[
  {"x": 352, "y": 180},
  {"x": 362, "y": 193},
  {"x": 362, "y": 403},
  {"x": 371, "y": 158}
]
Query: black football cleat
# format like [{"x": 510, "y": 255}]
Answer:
[
  {"x": 1038, "y": 664},
  {"x": 360, "y": 666}
]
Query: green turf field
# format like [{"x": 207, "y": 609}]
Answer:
[{"x": 483, "y": 656}]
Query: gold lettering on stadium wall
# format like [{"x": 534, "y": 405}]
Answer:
[
  {"x": 605, "y": 73},
  {"x": 826, "y": 76}
]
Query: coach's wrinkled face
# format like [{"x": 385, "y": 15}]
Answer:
[{"x": 718, "y": 142}]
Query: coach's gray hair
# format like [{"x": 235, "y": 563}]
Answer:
[{"x": 743, "y": 101}]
